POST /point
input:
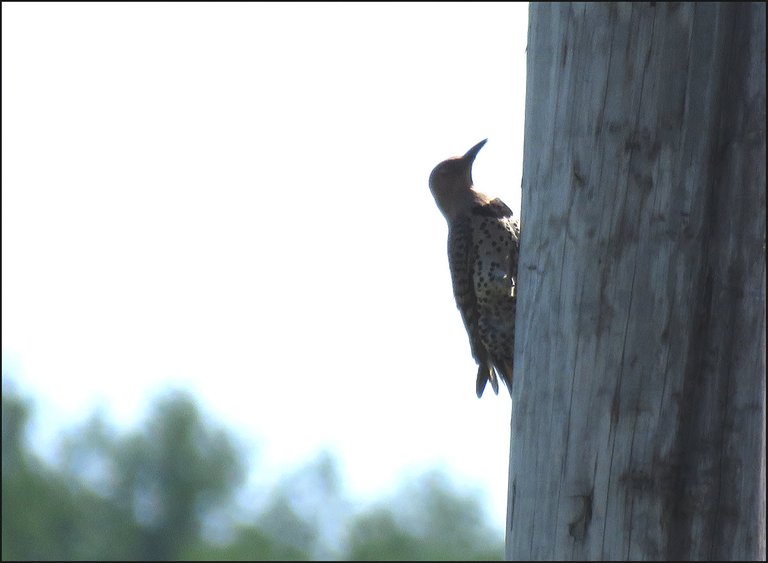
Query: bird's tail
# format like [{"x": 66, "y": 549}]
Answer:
[
  {"x": 504, "y": 369},
  {"x": 484, "y": 373}
]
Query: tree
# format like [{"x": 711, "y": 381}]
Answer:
[
  {"x": 143, "y": 495},
  {"x": 174, "y": 473},
  {"x": 428, "y": 520},
  {"x": 167, "y": 490},
  {"x": 638, "y": 417},
  {"x": 46, "y": 514}
]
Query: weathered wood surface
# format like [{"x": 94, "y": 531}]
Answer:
[{"x": 638, "y": 415}]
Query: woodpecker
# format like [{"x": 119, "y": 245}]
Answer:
[{"x": 483, "y": 250}]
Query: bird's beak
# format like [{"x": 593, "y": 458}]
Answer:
[{"x": 472, "y": 153}]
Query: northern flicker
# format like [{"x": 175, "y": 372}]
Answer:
[{"x": 483, "y": 249}]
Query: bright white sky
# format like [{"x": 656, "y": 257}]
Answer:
[{"x": 233, "y": 199}]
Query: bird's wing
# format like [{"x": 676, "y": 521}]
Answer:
[
  {"x": 461, "y": 260},
  {"x": 494, "y": 208}
]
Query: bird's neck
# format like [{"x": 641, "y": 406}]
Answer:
[{"x": 463, "y": 202}]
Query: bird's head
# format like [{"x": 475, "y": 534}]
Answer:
[{"x": 451, "y": 182}]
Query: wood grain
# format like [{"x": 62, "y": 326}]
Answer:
[{"x": 638, "y": 415}]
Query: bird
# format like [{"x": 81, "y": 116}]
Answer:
[{"x": 483, "y": 251}]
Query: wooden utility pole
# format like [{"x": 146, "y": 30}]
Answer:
[{"x": 638, "y": 414}]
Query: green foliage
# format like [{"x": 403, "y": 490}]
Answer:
[
  {"x": 248, "y": 543},
  {"x": 434, "y": 523},
  {"x": 173, "y": 473},
  {"x": 46, "y": 514},
  {"x": 152, "y": 495}
]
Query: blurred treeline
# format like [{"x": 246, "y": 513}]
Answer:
[{"x": 175, "y": 489}]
